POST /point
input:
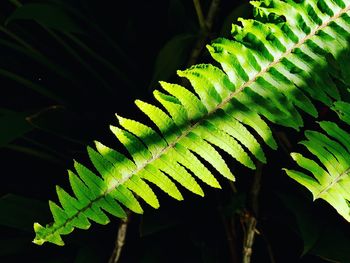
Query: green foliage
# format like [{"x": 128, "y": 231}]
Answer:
[
  {"x": 274, "y": 68},
  {"x": 333, "y": 151}
]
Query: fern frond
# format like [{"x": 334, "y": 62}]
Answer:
[
  {"x": 331, "y": 180},
  {"x": 271, "y": 70}
]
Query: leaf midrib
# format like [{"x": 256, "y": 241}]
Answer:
[
  {"x": 112, "y": 186},
  {"x": 334, "y": 182},
  {"x": 240, "y": 89}
]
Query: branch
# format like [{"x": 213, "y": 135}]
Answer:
[
  {"x": 206, "y": 27},
  {"x": 119, "y": 243},
  {"x": 249, "y": 218},
  {"x": 199, "y": 11},
  {"x": 214, "y": 7},
  {"x": 249, "y": 238}
]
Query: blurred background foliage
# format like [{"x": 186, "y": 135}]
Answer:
[{"x": 66, "y": 67}]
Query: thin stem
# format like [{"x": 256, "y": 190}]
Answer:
[
  {"x": 202, "y": 21},
  {"x": 255, "y": 189},
  {"x": 206, "y": 27},
  {"x": 119, "y": 243},
  {"x": 249, "y": 239},
  {"x": 250, "y": 217},
  {"x": 213, "y": 9}
]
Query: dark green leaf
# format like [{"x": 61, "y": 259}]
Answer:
[
  {"x": 19, "y": 212},
  {"x": 243, "y": 10},
  {"x": 12, "y": 125},
  {"x": 309, "y": 226},
  {"x": 333, "y": 244},
  {"x": 50, "y": 16},
  {"x": 171, "y": 57}
]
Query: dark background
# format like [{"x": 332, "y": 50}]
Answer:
[{"x": 66, "y": 67}]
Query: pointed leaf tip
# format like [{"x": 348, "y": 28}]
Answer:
[
  {"x": 119, "y": 118},
  {"x": 40, "y": 233},
  {"x": 113, "y": 128},
  {"x": 38, "y": 241},
  {"x": 38, "y": 230}
]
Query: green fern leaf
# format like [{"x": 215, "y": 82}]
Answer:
[
  {"x": 331, "y": 180},
  {"x": 273, "y": 68}
]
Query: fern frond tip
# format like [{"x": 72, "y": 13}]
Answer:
[
  {"x": 41, "y": 236},
  {"x": 37, "y": 240}
]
